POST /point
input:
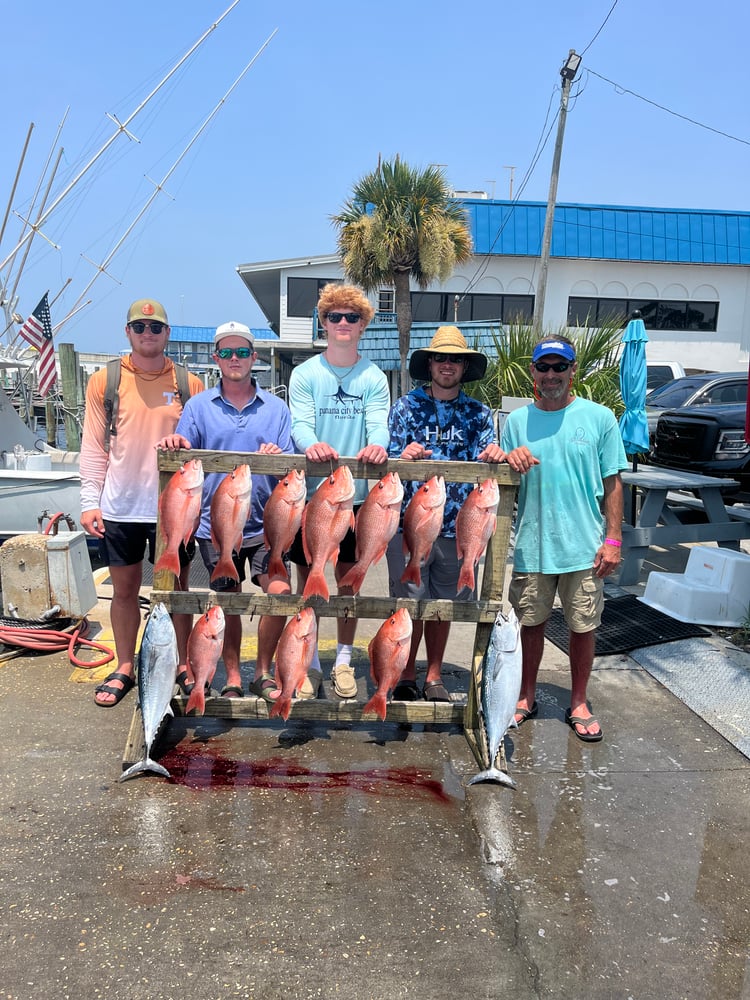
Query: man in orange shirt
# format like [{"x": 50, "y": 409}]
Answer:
[{"x": 120, "y": 486}]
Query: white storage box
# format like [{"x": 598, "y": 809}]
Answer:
[{"x": 713, "y": 590}]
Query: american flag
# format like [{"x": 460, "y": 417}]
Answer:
[{"x": 37, "y": 330}]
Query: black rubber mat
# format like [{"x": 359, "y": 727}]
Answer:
[{"x": 627, "y": 623}]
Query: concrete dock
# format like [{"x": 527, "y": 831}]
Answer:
[{"x": 291, "y": 860}]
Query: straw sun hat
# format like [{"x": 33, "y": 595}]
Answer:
[{"x": 447, "y": 340}]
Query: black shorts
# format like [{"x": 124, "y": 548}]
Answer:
[
  {"x": 253, "y": 553},
  {"x": 347, "y": 548},
  {"x": 125, "y": 543}
]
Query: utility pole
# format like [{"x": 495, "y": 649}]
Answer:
[{"x": 567, "y": 72}]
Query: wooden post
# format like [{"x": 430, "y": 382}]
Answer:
[{"x": 69, "y": 380}]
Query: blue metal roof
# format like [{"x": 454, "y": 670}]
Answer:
[
  {"x": 205, "y": 334},
  {"x": 611, "y": 232},
  {"x": 380, "y": 341}
]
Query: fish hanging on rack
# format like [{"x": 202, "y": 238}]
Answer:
[
  {"x": 230, "y": 506},
  {"x": 325, "y": 520},
  {"x": 179, "y": 513},
  {"x": 475, "y": 525},
  {"x": 282, "y": 517},
  {"x": 388, "y": 652},
  {"x": 423, "y": 519},
  {"x": 374, "y": 526}
]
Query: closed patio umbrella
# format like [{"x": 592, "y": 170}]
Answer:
[
  {"x": 634, "y": 422},
  {"x": 633, "y": 375}
]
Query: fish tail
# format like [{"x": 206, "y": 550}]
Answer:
[
  {"x": 144, "y": 765},
  {"x": 226, "y": 569},
  {"x": 316, "y": 586},
  {"x": 282, "y": 706},
  {"x": 466, "y": 577},
  {"x": 197, "y": 700},
  {"x": 493, "y": 774},
  {"x": 276, "y": 567},
  {"x": 354, "y": 578},
  {"x": 168, "y": 560},
  {"x": 412, "y": 573},
  {"x": 376, "y": 704}
]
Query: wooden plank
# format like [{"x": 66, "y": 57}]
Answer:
[
  {"x": 196, "y": 602},
  {"x": 135, "y": 745},
  {"x": 322, "y": 710},
  {"x": 279, "y": 465}
]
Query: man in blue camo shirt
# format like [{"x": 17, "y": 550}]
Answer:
[{"x": 439, "y": 421}]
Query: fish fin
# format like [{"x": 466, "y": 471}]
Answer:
[
  {"x": 282, "y": 706},
  {"x": 276, "y": 567},
  {"x": 492, "y": 774},
  {"x": 376, "y": 704},
  {"x": 412, "y": 573},
  {"x": 144, "y": 765},
  {"x": 197, "y": 701},
  {"x": 354, "y": 578},
  {"x": 225, "y": 568},
  {"x": 466, "y": 577},
  {"x": 168, "y": 561},
  {"x": 316, "y": 586}
]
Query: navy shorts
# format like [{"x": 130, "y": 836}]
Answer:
[{"x": 125, "y": 544}]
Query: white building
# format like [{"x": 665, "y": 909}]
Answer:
[{"x": 688, "y": 271}]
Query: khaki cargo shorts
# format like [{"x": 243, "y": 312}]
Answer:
[{"x": 581, "y": 595}]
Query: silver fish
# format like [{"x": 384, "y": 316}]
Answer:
[
  {"x": 501, "y": 686},
  {"x": 156, "y": 670}
]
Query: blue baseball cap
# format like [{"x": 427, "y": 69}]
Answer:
[{"x": 553, "y": 347}]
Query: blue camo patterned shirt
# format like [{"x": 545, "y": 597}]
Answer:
[{"x": 456, "y": 430}]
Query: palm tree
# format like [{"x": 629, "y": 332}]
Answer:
[{"x": 402, "y": 223}]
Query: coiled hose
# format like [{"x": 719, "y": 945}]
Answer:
[{"x": 38, "y": 637}]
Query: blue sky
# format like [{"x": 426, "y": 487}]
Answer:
[{"x": 473, "y": 87}]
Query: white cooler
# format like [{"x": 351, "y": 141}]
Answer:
[{"x": 713, "y": 590}]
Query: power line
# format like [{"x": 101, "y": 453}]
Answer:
[
  {"x": 661, "y": 107},
  {"x": 601, "y": 26}
]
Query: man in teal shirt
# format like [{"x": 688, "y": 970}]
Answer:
[
  {"x": 339, "y": 403},
  {"x": 571, "y": 454}
]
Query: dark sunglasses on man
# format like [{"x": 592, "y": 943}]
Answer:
[
  {"x": 559, "y": 367},
  {"x": 336, "y": 317},
  {"x": 138, "y": 327}
]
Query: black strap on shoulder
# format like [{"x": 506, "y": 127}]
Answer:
[{"x": 111, "y": 400}]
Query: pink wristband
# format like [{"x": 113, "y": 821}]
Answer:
[{"x": 612, "y": 541}]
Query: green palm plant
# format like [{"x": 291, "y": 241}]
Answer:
[
  {"x": 597, "y": 376},
  {"x": 402, "y": 223}
]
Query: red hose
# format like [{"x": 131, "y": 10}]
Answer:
[{"x": 47, "y": 640}]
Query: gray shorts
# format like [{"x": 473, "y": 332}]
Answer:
[
  {"x": 253, "y": 552},
  {"x": 439, "y": 573},
  {"x": 581, "y": 595}
]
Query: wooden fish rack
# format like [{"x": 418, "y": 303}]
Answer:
[{"x": 482, "y": 611}]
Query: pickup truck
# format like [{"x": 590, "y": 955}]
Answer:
[
  {"x": 708, "y": 440},
  {"x": 659, "y": 372}
]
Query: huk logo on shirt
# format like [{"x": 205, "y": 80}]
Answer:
[{"x": 449, "y": 434}]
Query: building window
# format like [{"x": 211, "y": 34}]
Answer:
[
  {"x": 302, "y": 294},
  {"x": 656, "y": 314},
  {"x": 438, "y": 307},
  {"x": 386, "y": 300}
]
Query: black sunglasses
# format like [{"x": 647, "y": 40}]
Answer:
[
  {"x": 560, "y": 367},
  {"x": 225, "y": 353},
  {"x": 452, "y": 359},
  {"x": 349, "y": 317},
  {"x": 138, "y": 327}
]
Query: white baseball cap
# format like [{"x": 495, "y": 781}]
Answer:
[{"x": 233, "y": 329}]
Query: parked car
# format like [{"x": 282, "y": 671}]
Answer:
[
  {"x": 705, "y": 389},
  {"x": 659, "y": 372},
  {"x": 708, "y": 440}
]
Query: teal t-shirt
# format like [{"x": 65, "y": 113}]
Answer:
[
  {"x": 345, "y": 408},
  {"x": 560, "y": 524}
]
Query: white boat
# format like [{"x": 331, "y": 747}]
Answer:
[{"x": 36, "y": 482}]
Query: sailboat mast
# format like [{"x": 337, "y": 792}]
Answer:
[{"x": 121, "y": 127}]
